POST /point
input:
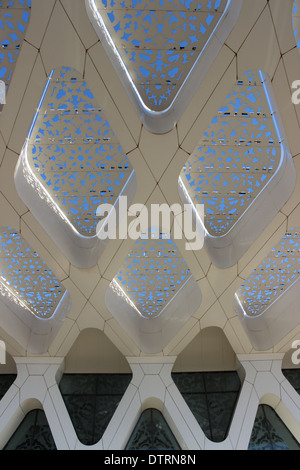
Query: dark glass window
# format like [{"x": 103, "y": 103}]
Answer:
[
  {"x": 270, "y": 433},
  {"x": 32, "y": 434},
  {"x": 212, "y": 397},
  {"x": 91, "y": 400},
  {"x": 6, "y": 380},
  {"x": 293, "y": 376},
  {"x": 152, "y": 433}
]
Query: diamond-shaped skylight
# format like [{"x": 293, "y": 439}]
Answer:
[
  {"x": 25, "y": 279},
  {"x": 14, "y": 18},
  {"x": 152, "y": 274},
  {"x": 159, "y": 41},
  {"x": 73, "y": 152},
  {"x": 154, "y": 292},
  {"x": 276, "y": 273},
  {"x": 156, "y": 46},
  {"x": 267, "y": 302},
  {"x": 236, "y": 158}
]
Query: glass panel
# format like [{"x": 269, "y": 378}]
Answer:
[
  {"x": 189, "y": 382},
  {"x": 211, "y": 397},
  {"x": 220, "y": 407},
  {"x": 293, "y": 376},
  {"x": 270, "y": 433},
  {"x": 6, "y": 380},
  {"x": 113, "y": 384},
  {"x": 152, "y": 433},
  {"x": 197, "y": 403},
  {"x": 81, "y": 409},
  {"x": 222, "y": 382},
  {"x": 260, "y": 435},
  {"x": 78, "y": 384},
  {"x": 105, "y": 407},
  {"x": 32, "y": 434},
  {"x": 280, "y": 436},
  {"x": 91, "y": 400},
  {"x": 42, "y": 439}
]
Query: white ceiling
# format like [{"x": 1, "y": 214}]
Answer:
[{"x": 60, "y": 33}]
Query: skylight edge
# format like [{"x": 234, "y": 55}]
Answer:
[{"x": 161, "y": 122}]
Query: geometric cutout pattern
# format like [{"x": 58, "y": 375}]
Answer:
[
  {"x": 159, "y": 42},
  {"x": 270, "y": 433},
  {"x": 25, "y": 278},
  {"x": 33, "y": 434},
  {"x": 212, "y": 398},
  {"x": 14, "y": 18},
  {"x": 275, "y": 274},
  {"x": 154, "y": 271},
  {"x": 152, "y": 433},
  {"x": 74, "y": 154},
  {"x": 237, "y": 156}
]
